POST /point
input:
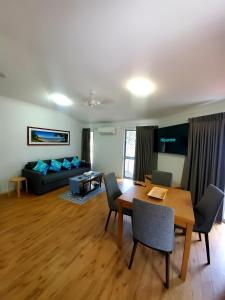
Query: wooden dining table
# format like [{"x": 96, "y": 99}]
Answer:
[{"x": 177, "y": 199}]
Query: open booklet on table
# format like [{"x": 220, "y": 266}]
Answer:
[{"x": 158, "y": 192}]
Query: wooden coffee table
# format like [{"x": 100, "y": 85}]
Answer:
[{"x": 83, "y": 185}]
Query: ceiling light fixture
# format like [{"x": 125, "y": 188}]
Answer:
[
  {"x": 140, "y": 86},
  {"x": 61, "y": 99}
]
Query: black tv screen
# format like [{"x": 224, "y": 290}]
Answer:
[{"x": 172, "y": 139}]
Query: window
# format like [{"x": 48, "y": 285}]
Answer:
[
  {"x": 92, "y": 148},
  {"x": 129, "y": 153}
]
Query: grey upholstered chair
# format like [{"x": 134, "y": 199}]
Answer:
[
  {"x": 205, "y": 213},
  {"x": 162, "y": 178},
  {"x": 153, "y": 226},
  {"x": 113, "y": 192}
]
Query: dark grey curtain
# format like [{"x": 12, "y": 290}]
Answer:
[
  {"x": 85, "y": 144},
  {"x": 145, "y": 158},
  {"x": 205, "y": 162}
]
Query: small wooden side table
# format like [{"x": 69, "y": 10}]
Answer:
[{"x": 17, "y": 180}]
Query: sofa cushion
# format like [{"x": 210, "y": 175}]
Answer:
[
  {"x": 30, "y": 165},
  {"x": 66, "y": 164},
  {"x": 75, "y": 162},
  {"x": 63, "y": 174},
  {"x": 53, "y": 177},
  {"x": 69, "y": 158},
  {"x": 55, "y": 165},
  {"x": 41, "y": 167}
]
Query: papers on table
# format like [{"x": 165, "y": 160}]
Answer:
[{"x": 158, "y": 192}]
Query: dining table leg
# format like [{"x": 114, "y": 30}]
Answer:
[
  {"x": 186, "y": 254},
  {"x": 120, "y": 225}
]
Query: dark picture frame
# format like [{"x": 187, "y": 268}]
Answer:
[{"x": 37, "y": 136}]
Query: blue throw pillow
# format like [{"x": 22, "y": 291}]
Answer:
[
  {"x": 41, "y": 167},
  {"x": 55, "y": 165},
  {"x": 66, "y": 164},
  {"x": 75, "y": 162}
]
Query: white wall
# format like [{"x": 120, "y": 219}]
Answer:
[
  {"x": 109, "y": 149},
  {"x": 108, "y": 152},
  {"x": 15, "y": 116},
  {"x": 172, "y": 162}
]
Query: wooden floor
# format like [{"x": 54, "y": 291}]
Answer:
[{"x": 54, "y": 249}]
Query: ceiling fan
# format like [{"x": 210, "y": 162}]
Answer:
[{"x": 93, "y": 100}]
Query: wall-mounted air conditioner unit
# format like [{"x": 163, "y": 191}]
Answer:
[{"x": 106, "y": 130}]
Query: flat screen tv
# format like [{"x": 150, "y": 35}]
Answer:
[{"x": 172, "y": 139}]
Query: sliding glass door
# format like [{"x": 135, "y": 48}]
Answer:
[{"x": 129, "y": 153}]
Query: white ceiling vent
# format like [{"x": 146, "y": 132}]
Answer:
[{"x": 106, "y": 130}]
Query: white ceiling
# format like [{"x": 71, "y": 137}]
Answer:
[{"x": 73, "y": 47}]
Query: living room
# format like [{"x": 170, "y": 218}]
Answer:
[{"x": 76, "y": 79}]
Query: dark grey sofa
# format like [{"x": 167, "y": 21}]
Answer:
[{"x": 40, "y": 184}]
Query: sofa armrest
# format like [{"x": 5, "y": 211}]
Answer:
[
  {"x": 34, "y": 180},
  {"x": 31, "y": 174},
  {"x": 84, "y": 164}
]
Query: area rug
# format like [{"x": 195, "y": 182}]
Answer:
[{"x": 81, "y": 200}]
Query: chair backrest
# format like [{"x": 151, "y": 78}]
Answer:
[
  {"x": 209, "y": 205},
  {"x": 162, "y": 178},
  {"x": 153, "y": 225},
  {"x": 112, "y": 190}
]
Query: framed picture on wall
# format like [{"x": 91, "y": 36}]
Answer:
[{"x": 47, "y": 137}]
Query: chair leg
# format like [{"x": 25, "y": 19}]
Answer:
[
  {"x": 200, "y": 237},
  {"x": 133, "y": 253},
  {"x": 207, "y": 247},
  {"x": 167, "y": 270},
  {"x": 107, "y": 222}
]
